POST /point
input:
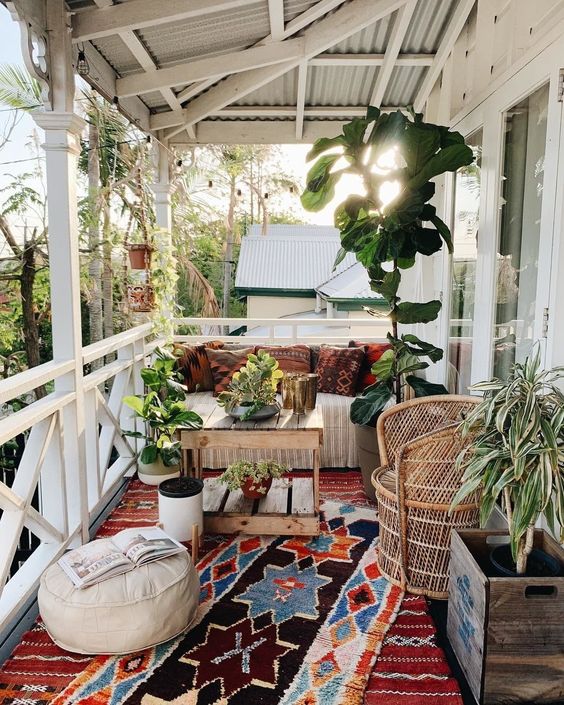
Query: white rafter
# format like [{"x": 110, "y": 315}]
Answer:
[
  {"x": 136, "y": 14},
  {"x": 370, "y": 60},
  {"x": 399, "y": 30},
  {"x": 300, "y": 100},
  {"x": 289, "y": 111},
  {"x": 276, "y": 19},
  {"x": 454, "y": 28},
  {"x": 210, "y": 67},
  {"x": 344, "y": 22}
]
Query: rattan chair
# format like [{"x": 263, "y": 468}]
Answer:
[{"x": 419, "y": 442}]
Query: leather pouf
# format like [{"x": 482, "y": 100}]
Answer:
[{"x": 129, "y": 612}]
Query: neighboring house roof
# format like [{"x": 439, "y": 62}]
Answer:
[
  {"x": 350, "y": 284},
  {"x": 292, "y": 259}
]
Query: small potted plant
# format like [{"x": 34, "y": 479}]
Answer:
[
  {"x": 252, "y": 391},
  {"x": 140, "y": 253},
  {"x": 164, "y": 410},
  {"x": 253, "y": 479}
]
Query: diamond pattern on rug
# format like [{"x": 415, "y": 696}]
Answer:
[{"x": 334, "y": 546}]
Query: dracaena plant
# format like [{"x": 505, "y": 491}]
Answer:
[
  {"x": 387, "y": 235},
  {"x": 516, "y": 452}
]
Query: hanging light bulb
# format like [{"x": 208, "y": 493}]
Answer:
[
  {"x": 210, "y": 183},
  {"x": 178, "y": 165},
  {"x": 266, "y": 195},
  {"x": 291, "y": 189},
  {"x": 239, "y": 193},
  {"x": 115, "y": 103},
  {"x": 82, "y": 65}
]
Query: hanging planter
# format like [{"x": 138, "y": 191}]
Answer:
[
  {"x": 140, "y": 255},
  {"x": 140, "y": 298}
]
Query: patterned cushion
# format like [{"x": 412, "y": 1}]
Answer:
[
  {"x": 338, "y": 370},
  {"x": 224, "y": 363},
  {"x": 291, "y": 358},
  {"x": 194, "y": 365},
  {"x": 372, "y": 353}
]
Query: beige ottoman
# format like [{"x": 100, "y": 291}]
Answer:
[{"x": 129, "y": 612}]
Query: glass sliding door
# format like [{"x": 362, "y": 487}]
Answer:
[
  {"x": 517, "y": 275},
  {"x": 465, "y": 241}
]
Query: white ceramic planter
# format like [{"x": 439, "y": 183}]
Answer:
[
  {"x": 155, "y": 473},
  {"x": 181, "y": 506}
]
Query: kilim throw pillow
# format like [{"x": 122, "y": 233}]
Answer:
[
  {"x": 291, "y": 358},
  {"x": 195, "y": 367},
  {"x": 372, "y": 353},
  {"x": 338, "y": 370},
  {"x": 224, "y": 363}
]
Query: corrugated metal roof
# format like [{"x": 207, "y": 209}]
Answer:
[
  {"x": 351, "y": 283},
  {"x": 294, "y": 257}
]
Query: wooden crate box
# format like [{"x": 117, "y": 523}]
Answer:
[{"x": 507, "y": 633}]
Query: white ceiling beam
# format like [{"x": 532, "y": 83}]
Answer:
[
  {"x": 211, "y": 67},
  {"x": 457, "y": 22},
  {"x": 370, "y": 60},
  {"x": 399, "y": 30},
  {"x": 289, "y": 111},
  {"x": 300, "y": 100},
  {"x": 136, "y": 14},
  {"x": 276, "y": 19},
  {"x": 344, "y": 22}
]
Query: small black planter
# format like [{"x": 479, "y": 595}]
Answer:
[{"x": 539, "y": 563}]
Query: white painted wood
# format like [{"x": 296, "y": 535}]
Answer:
[
  {"x": 300, "y": 100},
  {"x": 276, "y": 19},
  {"x": 91, "y": 24},
  {"x": 92, "y": 437},
  {"x": 399, "y": 30},
  {"x": 450, "y": 36},
  {"x": 371, "y": 59},
  {"x": 347, "y": 20},
  {"x": 302, "y": 495},
  {"x": 94, "y": 351},
  {"x": 276, "y": 500},
  {"x": 14, "y": 424},
  {"x": 30, "y": 379},
  {"x": 211, "y": 67}
]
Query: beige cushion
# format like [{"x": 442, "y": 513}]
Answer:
[{"x": 126, "y": 613}]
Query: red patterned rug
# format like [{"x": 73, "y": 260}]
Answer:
[{"x": 409, "y": 673}]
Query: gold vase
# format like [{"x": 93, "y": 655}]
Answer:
[{"x": 299, "y": 394}]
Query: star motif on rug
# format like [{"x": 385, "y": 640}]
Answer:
[
  {"x": 286, "y": 592},
  {"x": 238, "y": 656},
  {"x": 336, "y": 546}
]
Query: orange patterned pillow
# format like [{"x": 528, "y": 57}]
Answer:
[
  {"x": 291, "y": 358},
  {"x": 224, "y": 363},
  {"x": 194, "y": 365},
  {"x": 372, "y": 353},
  {"x": 338, "y": 370}
]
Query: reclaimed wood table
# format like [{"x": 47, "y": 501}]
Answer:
[{"x": 291, "y": 506}]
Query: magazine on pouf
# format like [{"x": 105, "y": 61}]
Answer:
[{"x": 104, "y": 558}]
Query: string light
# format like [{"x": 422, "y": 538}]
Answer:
[
  {"x": 266, "y": 196},
  {"x": 82, "y": 65},
  {"x": 210, "y": 183},
  {"x": 239, "y": 193}
]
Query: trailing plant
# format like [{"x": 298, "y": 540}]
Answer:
[
  {"x": 386, "y": 235},
  {"x": 235, "y": 475},
  {"x": 517, "y": 452},
  {"x": 254, "y": 386},
  {"x": 163, "y": 409},
  {"x": 164, "y": 276}
]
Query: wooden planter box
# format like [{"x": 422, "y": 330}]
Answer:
[{"x": 507, "y": 633}]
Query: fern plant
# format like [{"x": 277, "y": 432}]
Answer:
[{"x": 517, "y": 452}]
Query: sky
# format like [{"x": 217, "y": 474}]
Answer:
[{"x": 10, "y": 52}]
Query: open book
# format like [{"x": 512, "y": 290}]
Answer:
[{"x": 104, "y": 558}]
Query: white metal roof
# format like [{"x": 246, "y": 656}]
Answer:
[
  {"x": 289, "y": 257},
  {"x": 349, "y": 284},
  {"x": 265, "y": 70}
]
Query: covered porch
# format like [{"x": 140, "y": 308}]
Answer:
[{"x": 188, "y": 73}]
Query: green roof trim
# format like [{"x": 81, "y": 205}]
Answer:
[
  {"x": 357, "y": 304},
  {"x": 295, "y": 293}
]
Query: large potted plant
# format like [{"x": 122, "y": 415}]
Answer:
[
  {"x": 163, "y": 409},
  {"x": 506, "y": 608},
  {"x": 386, "y": 226},
  {"x": 252, "y": 391}
]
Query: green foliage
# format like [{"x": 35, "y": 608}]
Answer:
[
  {"x": 236, "y": 473},
  {"x": 18, "y": 89},
  {"x": 254, "y": 385},
  {"x": 163, "y": 409},
  {"x": 517, "y": 450},
  {"x": 386, "y": 237}
]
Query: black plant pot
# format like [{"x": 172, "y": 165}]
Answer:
[{"x": 539, "y": 563}]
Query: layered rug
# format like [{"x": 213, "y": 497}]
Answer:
[{"x": 284, "y": 620}]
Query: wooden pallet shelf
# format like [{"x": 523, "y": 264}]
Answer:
[{"x": 288, "y": 509}]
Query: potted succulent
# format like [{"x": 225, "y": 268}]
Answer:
[
  {"x": 163, "y": 409},
  {"x": 391, "y": 153},
  {"x": 251, "y": 394},
  {"x": 253, "y": 479},
  {"x": 506, "y": 592}
]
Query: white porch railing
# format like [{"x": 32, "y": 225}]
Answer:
[{"x": 55, "y": 499}]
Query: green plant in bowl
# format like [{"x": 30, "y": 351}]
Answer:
[{"x": 253, "y": 479}]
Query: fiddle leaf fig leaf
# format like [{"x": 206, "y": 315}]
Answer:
[
  {"x": 408, "y": 312},
  {"x": 409, "y": 363},
  {"x": 365, "y": 409},
  {"x": 444, "y": 231},
  {"x": 383, "y": 367},
  {"x": 422, "y": 348},
  {"x": 322, "y": 145},
  {"x": 423, "y": 388},
  {"x": 450, "y": 158},
  {"x": 427, "y": 241},
  {"x": 420, "y": 142},
  {"x": 341, "y": 254},
  {"x": 388, "y": 286}
]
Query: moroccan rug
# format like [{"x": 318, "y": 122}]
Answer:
[{"x": 39, "y": 672}]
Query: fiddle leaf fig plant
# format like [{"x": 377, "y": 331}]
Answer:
[
  {"x": 517, "y": 452},
  {"x": 390, "y": 152}
]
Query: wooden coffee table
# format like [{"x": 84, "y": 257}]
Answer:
[{"x": 291, "y": 506}]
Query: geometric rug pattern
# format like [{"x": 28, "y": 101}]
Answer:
[{"x": 38, "y": 673}]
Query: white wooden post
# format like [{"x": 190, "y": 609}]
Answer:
[
  {"x": 62, "y": 147},
  {"x": 162, "y": 190}
]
